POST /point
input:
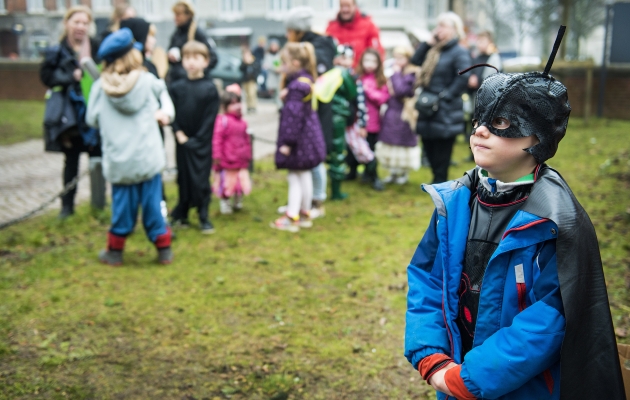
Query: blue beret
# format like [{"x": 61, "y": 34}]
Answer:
[{"x": 116, "y": 45}]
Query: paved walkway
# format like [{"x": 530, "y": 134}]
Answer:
[{"x": 29, "y": 176}]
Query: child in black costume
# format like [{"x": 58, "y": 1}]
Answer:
[
  {"x": 507, "y": 298},
  {"x": 196, "y": 103}
]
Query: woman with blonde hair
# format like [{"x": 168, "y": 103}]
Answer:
[
  {"x": 186, "y": 30},
  {"x": 61, "y": 73},
  {"x": 121, "y": 12},
  {"x": 128, "y": 104},
  {"x": 440, "y": 105}
]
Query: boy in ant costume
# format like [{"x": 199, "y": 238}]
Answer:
[{"x": 507, "y": 298}]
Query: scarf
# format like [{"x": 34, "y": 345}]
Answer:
[
  {"x": 409, "y": 113},
  {"x": 430, "y": 62},
  {"x": 116, "y": 85}
]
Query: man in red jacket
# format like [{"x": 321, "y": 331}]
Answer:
[{"x": 355, "y": 29}]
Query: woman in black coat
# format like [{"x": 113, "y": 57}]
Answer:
[
  {"x": 186, "y": 30},
  {"x": 60, "y": 71},
  {"x": 441, "y": 58}
]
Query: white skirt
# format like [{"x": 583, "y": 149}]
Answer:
[{"x": 398, "y": 157}]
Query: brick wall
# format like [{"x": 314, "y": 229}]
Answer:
[
  {"x": 20, "y": 81},
  {"x": 617, "y": 92},
  {"x": 15, "y": 6}
]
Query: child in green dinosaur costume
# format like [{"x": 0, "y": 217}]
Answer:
[{"x": 345, "y": 111}]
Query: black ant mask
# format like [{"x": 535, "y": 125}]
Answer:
[{"x": 523, "y": 105}]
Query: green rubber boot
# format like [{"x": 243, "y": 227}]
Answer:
[{"x": 337, "y": 194}]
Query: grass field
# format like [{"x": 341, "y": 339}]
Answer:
[
  {"x": 251, "y": 313},
  {"x": 20, "y": 121}
]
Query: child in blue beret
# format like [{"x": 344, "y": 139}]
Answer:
[{"x": 128, "y": 104}]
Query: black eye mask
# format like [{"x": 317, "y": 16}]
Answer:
[{"x": 535, "y": 103}]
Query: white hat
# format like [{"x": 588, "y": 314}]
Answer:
[{"x": 299, "y": 19}]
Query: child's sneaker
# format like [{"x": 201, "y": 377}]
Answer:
[
  {"x": 206, "y": 227},
  {"x": 180, "y": 223},
  {"x": 225, "y": 206},
  {"x": 286, "y": 223},
  {"x": 402, "y": 179},
  {"x": 238, "y": 202},
  {"x": 317, "y": 209},
  {"x": 165, "y": 255},
  {"x": 305, "y": 219},
  {"x": 111, "y": 257},
  {"x": 389, "y": 179}
]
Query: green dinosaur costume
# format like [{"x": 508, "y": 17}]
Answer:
[{"x": 344, "y": 112}]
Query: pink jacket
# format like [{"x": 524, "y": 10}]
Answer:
[
  {"x": 230, "y": 143},
  {"x": 375, "y": 97}
]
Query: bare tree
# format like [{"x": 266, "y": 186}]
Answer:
[
  {"x": 545, "y": 18},
  {"x": 584, "y": 16},
  {"x": 522, "y": 11},
  {"x": 501, "y": 21}
]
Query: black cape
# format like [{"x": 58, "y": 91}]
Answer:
[
  {"x": 196, "y": 106},
  {"x": 589, "y": 364}
]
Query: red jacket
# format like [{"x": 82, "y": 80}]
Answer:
[
  {"x": 360, "y": 33},
  {"x": 230, "y": 143}
]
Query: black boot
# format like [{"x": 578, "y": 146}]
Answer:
[
  {"x": 371, "y": 175},
  {"x": 66, "y": 211}
]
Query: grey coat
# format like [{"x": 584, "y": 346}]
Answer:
[
  {"x": 448, "y": 121},
  {"x": 133, "y": 151}
]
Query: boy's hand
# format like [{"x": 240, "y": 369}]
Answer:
[
  {"x": 363, "y": 133},
  {"x": 162, "y": 118},
  {"x": 286, "y": 150},
  {"x": 181, "y": 137},
  {"x": 437, "y": 380}
]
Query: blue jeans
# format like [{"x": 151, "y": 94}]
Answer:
[
  {"x": 319, "y": 182},
  {"x": 125, "y": 202}
]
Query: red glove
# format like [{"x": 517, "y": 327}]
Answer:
[
  {"x": 432, "y": 364},
  {"x": 455, "y": 384}
]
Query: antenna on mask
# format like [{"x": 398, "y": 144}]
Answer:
[
  {"x": 477, "y": 66},
  {"x": 554, "y": 51}
]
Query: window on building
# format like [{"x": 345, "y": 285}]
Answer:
[
  {"x": 279, "y": 5},
  {"x": 143, "y": 7},
  {"x": 431, "y": 9},
  {"x": 101, "y": 5},
  {"x": 60, "y": 5},
  {"x": 391, "y": 3},
  {"x": 3, "y": 7},
  {"x": 35, "y": 6},
  {"x": 75, "y": 3},
  {"x": 232, "y": 6},
  {"x": 332, "y": 4}
]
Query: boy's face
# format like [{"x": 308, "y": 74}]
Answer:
[
  {"x": 194, "y": 63},
  {"x": 503, "y": 158},
  {"x": 344, "y": 61}
]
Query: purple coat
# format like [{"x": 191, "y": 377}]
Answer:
[
  {"x": 300, "y": 129},
  {"x": 394, "y": 130}
]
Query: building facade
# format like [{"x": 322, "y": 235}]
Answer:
[{"x": 28, "y": 26}]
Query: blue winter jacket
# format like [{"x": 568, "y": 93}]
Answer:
[{"x": 520, "y": 324}]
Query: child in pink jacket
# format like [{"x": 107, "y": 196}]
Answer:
[
  {"x": 231, "y": 153},
  {"x": 372, "y": 78}
]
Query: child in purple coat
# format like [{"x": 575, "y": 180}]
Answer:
[
  {"x": 301, "y": 145},
  {"x": 397, "y": 149}
]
